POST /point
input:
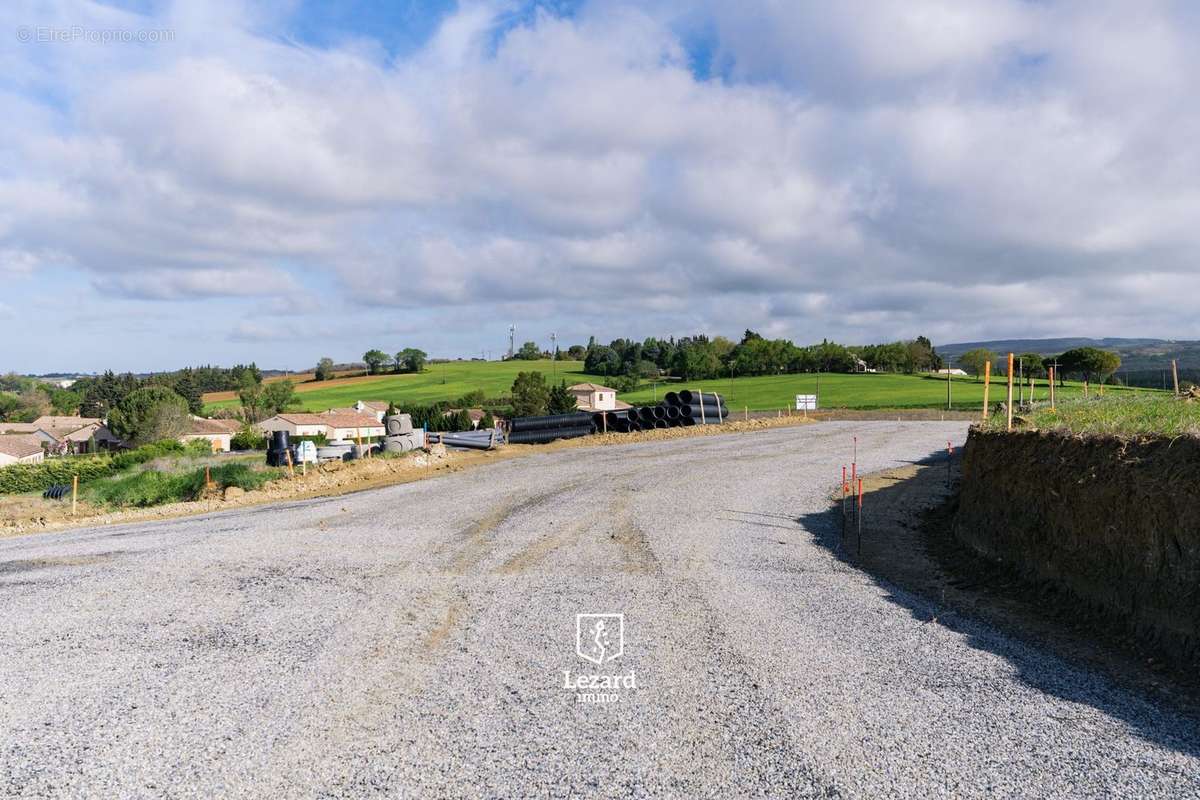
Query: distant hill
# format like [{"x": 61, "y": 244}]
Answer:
[{"x": 1144, "y": 362}]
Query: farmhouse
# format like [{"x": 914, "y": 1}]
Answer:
[
  {"x": 594, "y": 397},
  {"x": 218, "y": 432},
  {"x": 20, "y": 448}
]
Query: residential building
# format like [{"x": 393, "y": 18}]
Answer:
[
  {"x": 333, "y": 425},
  {"x": 20, "y": 448},
  {"x": 73, "y": 434},
  {"x": 594, "y": 397},
  {"x": 218, "y": 432}
]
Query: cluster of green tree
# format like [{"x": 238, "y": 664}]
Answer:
[
  {"x": 531, "y": 352},
  {"x": 699, "y": 357},
  {"x": 410, "y": 359},
  {"x": 102, "y": 393},
  {"x": 25, "y": 399},
  {"x": 533, "y": 397},
  {"x": 1090, "y": 364},
  {"x": 441, "y": 417}
]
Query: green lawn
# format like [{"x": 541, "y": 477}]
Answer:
[
  {"x": 861, "y": 391},
  {"x": 454, "y": 379}
]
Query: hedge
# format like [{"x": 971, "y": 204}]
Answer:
[{"x": 19, "y": 478}]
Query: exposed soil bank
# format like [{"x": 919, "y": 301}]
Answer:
[{"x": 1113, "y": 522}]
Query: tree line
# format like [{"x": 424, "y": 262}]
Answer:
[
  {"x": 699, "y": 357},
  {"x": 1090, "y": 364}
]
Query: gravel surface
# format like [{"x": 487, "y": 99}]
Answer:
[{"x": 412, "y": 641}]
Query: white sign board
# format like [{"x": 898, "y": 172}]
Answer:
[{"x": 806, "y": 402}]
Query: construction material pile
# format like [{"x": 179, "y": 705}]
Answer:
[
  {"x": 400, "y": 436},
  {"x": 678, "y": 409},
  {"x": 539, "y": 430}
]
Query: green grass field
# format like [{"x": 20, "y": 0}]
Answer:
[
  {"x": 764, "y": 393},
  {"x": 1124, "y": 414}
]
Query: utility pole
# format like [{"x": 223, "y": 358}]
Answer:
[
  {"x": 512, "y": 334},
  {"x": 554, "y": 355},
  {"x": 949, "y": 395}
]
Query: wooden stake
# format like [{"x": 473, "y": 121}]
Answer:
[
  {"x": 291, "y": 469},
  {"x": 987, "y": 383},
  {"x": 1010, "y": 388},
  {"x": 1175, "y": 375},
  {"x": 747, "y": 413},
  {"x": 74, "y": 492},
  {"x": 1050, "y": 373}
]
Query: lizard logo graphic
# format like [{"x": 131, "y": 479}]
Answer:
[{"x": 599, "y": 638}]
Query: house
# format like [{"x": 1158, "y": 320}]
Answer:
[
  {"x": 77, "y": 434},
  {"x": 218, "y": 432},
  {"x": 334, "y": 425},
  {"x": 861, "y": 366},
  {"x": 594, "y": 397},
  {"x": 27, "y": 428},
  {"x": 20, "y": 448},
  {"x": 378, "y": 408}
]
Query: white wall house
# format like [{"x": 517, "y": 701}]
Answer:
[
  {"x": 20, "y": 448},
  {"x": 594, "y": 397},
  {"x": 334, "y": 425}
]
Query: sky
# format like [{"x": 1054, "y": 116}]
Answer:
[{"x": 216, "y": 182}]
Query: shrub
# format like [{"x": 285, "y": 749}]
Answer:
[
  {"x": 19, "y": 478},
  {"x": 248, "y": 439},
  {"x": 39, "y": 477},
  {"x": 151, "y": 488}
]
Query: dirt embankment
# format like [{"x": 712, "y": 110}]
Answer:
[{"x": 1113, "y": 522}]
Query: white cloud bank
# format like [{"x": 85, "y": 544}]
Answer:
[{"x": 959, "y": 169}]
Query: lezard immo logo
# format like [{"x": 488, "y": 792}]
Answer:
[{"x": 599, "y": 638}]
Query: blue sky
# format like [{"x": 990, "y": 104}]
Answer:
[{"x": 281, "y": 181}]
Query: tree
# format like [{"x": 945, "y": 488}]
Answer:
[
  {"x": 488, "y": 422},
  {"x": 250, "y": 395},
  {"x": 324, "y": 370},
  {"x": 528, "y": 352},
  {"x": 576, "y": 352},
  {"x": 601, "y": 360},
  {"x": 149, "y": 414},
  {"x": 1033, "y": 365},
  {"x": 375, "y": 360},
  {"x": 1090, "y": 362},
  {"x": 278, "y": 396},
  {"x": 973, "y": 361},
  {"x": 559, "y": 400},
  {"x": 530, "y": 396},
  {"x": 187, "y": 388},
  {"x": 410, "y": 359}
]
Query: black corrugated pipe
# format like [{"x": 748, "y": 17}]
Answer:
[
  {"x": 660, "y": 412},
  {"x": 646, "y": 414},
  {"x": 671, "y": 398},
  {"x": 661, "y": 423},
  {"x": 578, "y": 419},
  {"x": 688, "y": 422},
  {"x": 543, "y": 435},
  {"x": 673, "y": 413},
  {"x": 688, "y": 397},
  {"x": 708, "y": 411}
]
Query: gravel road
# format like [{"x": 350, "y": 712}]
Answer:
[{"x": 412, "y": 641}]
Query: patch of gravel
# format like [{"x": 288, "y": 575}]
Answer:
[{"x": 411, "y": 641}]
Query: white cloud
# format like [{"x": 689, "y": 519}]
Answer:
[{"x": 965, "y": 168}]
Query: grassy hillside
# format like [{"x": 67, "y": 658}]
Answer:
[
  {"x": 438, "y": 382},
  {"x": 758, "y": 393},
  {"x": 1123, "y": 415}
]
